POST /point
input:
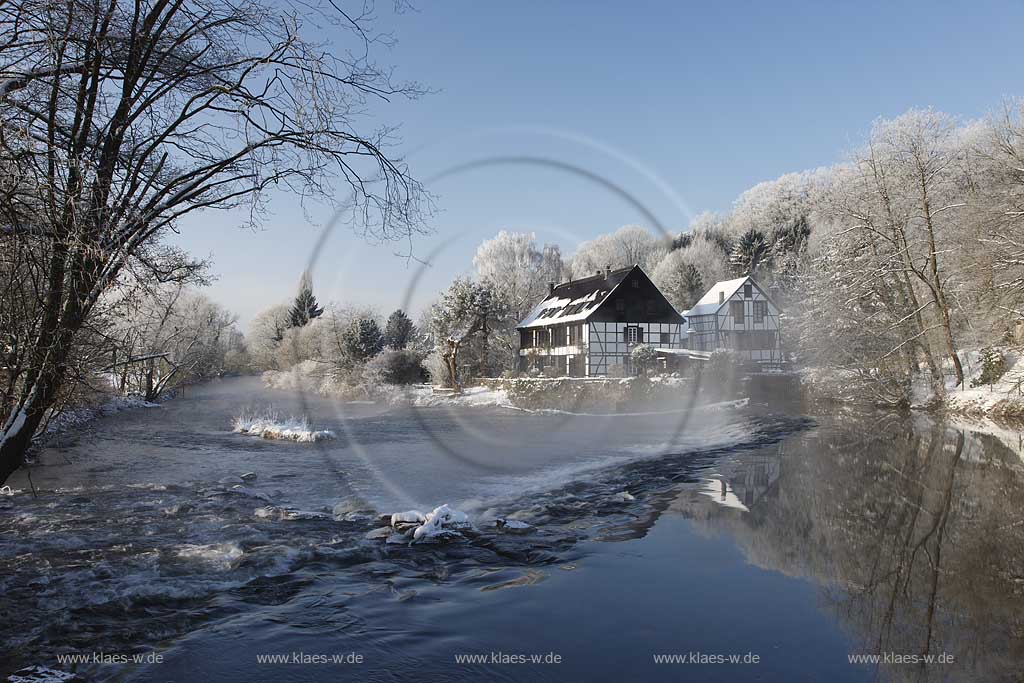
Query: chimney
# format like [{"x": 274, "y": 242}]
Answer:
[
  {"x": 551, "y": 288},
  {"x": 607, "y": 271}
]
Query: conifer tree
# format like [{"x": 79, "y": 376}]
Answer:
[{"x": 305, "y": 307}]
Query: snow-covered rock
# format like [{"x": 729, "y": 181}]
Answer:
[
  {"x": 448, "y": 517},
  {"x": 408, "y": 517},
  {"x": 42, "y": 674},
  {"x": 515, "y": 526},
  {"x": 240, "y": 490},
  {"x": 353, "y": 510},
  {"x": 443, "y": 522},
  {"x": 272, "y": 512}
]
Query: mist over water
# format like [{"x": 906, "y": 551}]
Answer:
[{"x": 722, "y": 530}]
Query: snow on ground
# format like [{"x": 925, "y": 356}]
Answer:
[
  {"x": 423, "y": 395},
  {"x": 274, "y": 427},
  {"x": 72, "y": 418},
  {"x": 707, "y": 407},
  {"x": 985, "y": 398}
]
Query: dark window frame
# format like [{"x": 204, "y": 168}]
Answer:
[
  {"x": 760, "y": 311},
  {"x": 738, "y": 306}
]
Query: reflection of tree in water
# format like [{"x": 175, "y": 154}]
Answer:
[{"x": 917, "y": 532}]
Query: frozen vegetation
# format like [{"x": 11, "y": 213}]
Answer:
[{"x": 269, "y": 425}]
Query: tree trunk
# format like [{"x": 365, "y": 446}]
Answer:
[
  {"x": 451, "y": 361},
  {"x": 21, "y": 426},
  {"x": 936, "y": 285}
]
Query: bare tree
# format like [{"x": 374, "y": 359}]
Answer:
[{"x": 118, "y": 119}]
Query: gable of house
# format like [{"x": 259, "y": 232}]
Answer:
[
  {"x": 636, "y": 299},
  {"x": 724, "y": 291},
  {"x": 621, "y": 295}
]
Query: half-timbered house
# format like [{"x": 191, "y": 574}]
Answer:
[
  {"x": 737, "y": 315},
  {"x": 589, "y": 327}
]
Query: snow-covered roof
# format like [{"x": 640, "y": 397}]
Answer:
[
  {"x": 711, "y": 301},
  {"x": 575, "y": 300}
]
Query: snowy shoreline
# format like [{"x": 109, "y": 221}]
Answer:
[
  {"x": 1001, "y": 399},
  {"x": 73, "y": 419}
]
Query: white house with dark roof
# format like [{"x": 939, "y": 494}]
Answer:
[
  {"x": 737, "y": 315},
  {"x": 586, "y": 327}
]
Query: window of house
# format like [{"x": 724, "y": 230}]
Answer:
[
  {"x": 620, "y": 305},
  {"x": 666, "y": 338},
  {"x": 632, "y": 334},
  {"x": 721, "y": 297},
  {"x": 736, "y": 309},
  {"x": 748, "y": 291},
  {"x": 650, "y": 307},
  {"x": 636, "y": 284},
  {"x": 760, "y": 311}
]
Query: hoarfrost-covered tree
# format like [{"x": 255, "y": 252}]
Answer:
[
  {"x": 467, "y": 310},
  {"x": 679, "y": 280},
  {"x": 121, "y": 119},
  {"x": 627, "y": 246},
  {"x": 266, "y": 332},
  {"x": 910, "y": 200},
  {"x": 170, "y": 337},
  {"x": 514, "y": 265},
  {"x": 704, "y": 254}
]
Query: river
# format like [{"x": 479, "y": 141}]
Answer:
[{"x": 754, "y": 543}]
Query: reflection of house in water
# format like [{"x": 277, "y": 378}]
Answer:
[{"x": 739, "y": 485}]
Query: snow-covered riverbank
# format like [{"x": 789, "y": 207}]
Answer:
[{"x": 983, "y": 393}]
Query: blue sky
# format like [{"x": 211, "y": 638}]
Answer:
[{"x": 681, "y": 105}]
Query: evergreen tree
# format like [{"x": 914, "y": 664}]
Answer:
[
  {"x": 363, "y": 339},
  {"x": 751, "y": 251},
  {"x": 692, "y": 284},
  {"x": 399, "y": 330},
  {"x": 305, "y": 307}
]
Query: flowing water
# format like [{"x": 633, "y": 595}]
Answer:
[{"x": 785, "y": 541}]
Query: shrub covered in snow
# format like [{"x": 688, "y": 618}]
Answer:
[
  {"x": 644, "y": 357},
  {"x": 993, "y": 366},
  {"x": 393, "y": 366},
  {"x": 272, "y": 426}
]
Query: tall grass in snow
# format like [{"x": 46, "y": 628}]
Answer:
[{"x": 271, "y": 425}]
